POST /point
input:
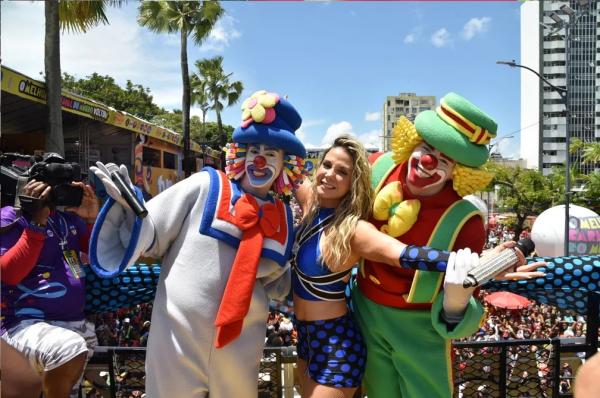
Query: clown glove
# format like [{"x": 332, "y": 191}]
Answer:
[
  {"x": 456, "y": 297},
  {"x": 103, "y": 174}
]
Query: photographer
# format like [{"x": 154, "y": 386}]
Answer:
[{"x": 43, "y": 291}]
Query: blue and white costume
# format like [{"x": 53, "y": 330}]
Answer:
[
  {"x": 333, "y": 349},
  {"x": 187, "y": 226}
]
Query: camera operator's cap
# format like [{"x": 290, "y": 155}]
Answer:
[
  {"x": 459, "y": 129},
  {"x": 271, "y": 120}
]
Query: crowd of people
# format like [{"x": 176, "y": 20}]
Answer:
[
  {"x": 124, "y": 328},
  {"x": 528, "y": 365}
]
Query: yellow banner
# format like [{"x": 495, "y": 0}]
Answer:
[{"x": 25, "y": 87}]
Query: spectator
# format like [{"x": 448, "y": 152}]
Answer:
[{"x": 40, "y": 262}]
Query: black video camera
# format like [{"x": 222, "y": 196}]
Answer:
[{"x": 54, "y": 171}]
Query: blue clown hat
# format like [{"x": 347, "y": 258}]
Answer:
[{"x": 270, "y": 120}]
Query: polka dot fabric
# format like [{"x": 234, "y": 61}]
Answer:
[
  {"x": 424, "y": 258},
  {"x": 334, "y": 351},
  {"x": 566, "y": 284},
  {"x": 136, "y": 285}
]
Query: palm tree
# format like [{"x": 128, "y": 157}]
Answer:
[
  {"x": 199, "y": 96},
  {"x": 591, "y": 152},
  {"x": 221, "y": 91},
  {"x": 195, "y": 18},
  {"x": 76, "y": 16}
]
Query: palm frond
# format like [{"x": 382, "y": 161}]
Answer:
[{"x": 80, "y": 16}]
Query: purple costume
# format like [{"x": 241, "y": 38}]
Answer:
[{"x": 49, "y": 291}]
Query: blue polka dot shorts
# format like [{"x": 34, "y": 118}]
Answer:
[{"x": 334, "y": 351}]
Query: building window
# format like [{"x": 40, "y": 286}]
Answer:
[
  {"x": 151, "y": 157},
  {"x": 169, "y": 160}
]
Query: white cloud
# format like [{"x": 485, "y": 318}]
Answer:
[
  {"x": 369, "y": 139},
  {"x": 372, "y": 116},
  {"x": 123, "y": 49},
  {"x": 312, "y": 123},
  {"x": 335, "y": 130},
  {"x": 441, "y": 38},
  {"x": 410, "y": 38},
  {"x": 475, "y": 26},
  {"x": 301, "y": 134},
  {"x": 372, "y": 139},
  {"x": 222, "y": 33}
]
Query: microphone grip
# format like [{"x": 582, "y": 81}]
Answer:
[
  {"x": 491, "y": 266},
  {"x": 129, "y": 196}
]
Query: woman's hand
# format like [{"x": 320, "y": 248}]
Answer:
[
  {"x": 39, "y": 190},
  {"x": 89, "y": 208},
  {"x": 521, "y": 271}
]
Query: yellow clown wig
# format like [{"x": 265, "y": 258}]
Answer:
[{"x": 465, "y": 180}]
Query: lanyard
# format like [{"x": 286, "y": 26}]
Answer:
[{"x": 63, "y": 227}]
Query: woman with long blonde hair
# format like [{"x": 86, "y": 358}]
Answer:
[{"x": 332, "y": 238}]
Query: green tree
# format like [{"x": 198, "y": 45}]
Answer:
[
  {"x": 195, "y": 18},
  {"x": 200, "y": 95},
  {"x": 203, "y": 133},
  {"x": 76, "y": 16},
  {"x": 590, "y": 150},
  {"x": 134, "y": 98},
  {"x": 220, "y": 90},
  {"x": 589, "y": 195},
  {"x": 524, "y": 192}
]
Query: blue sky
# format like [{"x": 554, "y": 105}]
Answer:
[{"x": 336, "y": 61}]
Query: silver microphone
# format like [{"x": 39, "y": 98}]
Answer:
[{"x": 492, "y": 265}]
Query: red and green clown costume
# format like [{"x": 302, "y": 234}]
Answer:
[{"x": 400, "y": 310}]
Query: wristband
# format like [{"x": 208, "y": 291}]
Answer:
[{"x": 424, "y": 258}]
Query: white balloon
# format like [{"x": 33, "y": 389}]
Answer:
[{"x": 548, "y": 231}]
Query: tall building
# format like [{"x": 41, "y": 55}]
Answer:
[
  {"x": 544, "y": 48},
  {"x": 405, "y": 104}
]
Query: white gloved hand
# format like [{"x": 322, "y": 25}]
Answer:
[
  {"x": 103, "y": 174},
  {"x": 456, "y": 297}
]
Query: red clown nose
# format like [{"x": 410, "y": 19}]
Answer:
[
  {"x": 429, "y": 162},
  {"x": 259, "y": 162}
]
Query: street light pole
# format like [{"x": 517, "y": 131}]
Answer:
[
  {"x": 573, "y": 18},
  {"x": 564, "y": 99}
]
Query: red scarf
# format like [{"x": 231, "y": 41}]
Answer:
[{"x": 256, "y": 223}]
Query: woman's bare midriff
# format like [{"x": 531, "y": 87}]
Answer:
[{"x": 306, "y": 310}]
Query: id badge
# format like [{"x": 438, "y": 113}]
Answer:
[{"x": 72, "y": 260}]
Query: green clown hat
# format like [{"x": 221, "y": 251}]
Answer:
[{"x": 459, "y": 129}]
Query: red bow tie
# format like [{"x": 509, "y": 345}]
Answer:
[{"x": 256, "y": 223}]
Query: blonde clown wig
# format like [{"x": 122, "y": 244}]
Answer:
[{"x": 465, "y": 180}]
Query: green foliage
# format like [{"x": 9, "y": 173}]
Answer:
[
  {"x": 213, "y": 88},
  {"x": 80, "y": 16},
  {"x": 202, "y": 133},
  {"x": 195, "y": 17},
  {"x": 589, "y": 196},
  {"x": 134, "y": 98},
  {"x": 525, "y": 192},
  {"x": 590, "y": 150}
]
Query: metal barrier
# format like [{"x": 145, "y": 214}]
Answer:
[
  {"x": 508, "y": 368},
  {"x": 482, "y": 369}
]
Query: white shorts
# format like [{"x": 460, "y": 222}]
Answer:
[{"x": 50, "y": 344}]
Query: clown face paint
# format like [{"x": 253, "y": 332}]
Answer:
[
  {"x": 263, "y": 165},
  {"x": 428, "y": 170}
]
